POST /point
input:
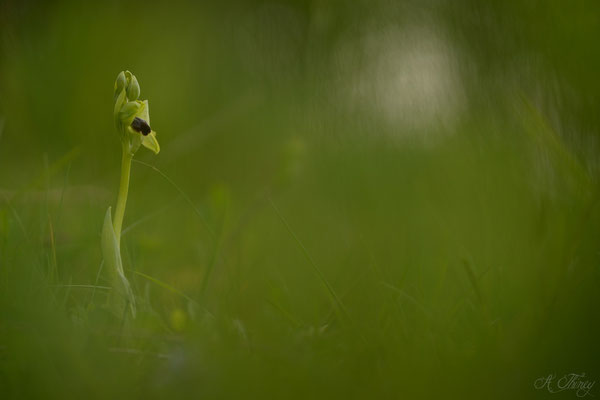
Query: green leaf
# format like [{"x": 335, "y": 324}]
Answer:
[{"x": 121, "y": 294}]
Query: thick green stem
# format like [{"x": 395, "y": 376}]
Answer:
[{"x": 123, "y": 189}]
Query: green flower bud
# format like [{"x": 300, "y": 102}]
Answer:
[
  {"x": 128, "y": 76},
  {"x": 133, "y": 90},
  {"x": 120, "y": 83}
]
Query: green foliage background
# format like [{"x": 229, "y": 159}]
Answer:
[{"x": 363, "y": 199}]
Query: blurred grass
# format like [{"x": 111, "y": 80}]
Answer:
[{"x": 461, "y": 240}]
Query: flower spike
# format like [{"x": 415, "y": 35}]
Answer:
[
  {"x": 128, "y": 110},
  {"x": 132, "y": 120}
]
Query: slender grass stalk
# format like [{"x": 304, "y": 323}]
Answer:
[{"x": 335, "y": 299}]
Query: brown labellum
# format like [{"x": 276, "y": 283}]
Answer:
[{"x": 141, "y": 126}]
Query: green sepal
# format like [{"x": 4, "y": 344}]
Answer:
[
  {"x": 119, "y": 101},
  {"x": 129, "y": 111},
  {"x": 150, "y": 142}
]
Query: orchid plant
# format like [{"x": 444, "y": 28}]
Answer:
[{"x": 132, "y": 120}]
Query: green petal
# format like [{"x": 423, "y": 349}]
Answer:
[{"x": 149, "y": 141}]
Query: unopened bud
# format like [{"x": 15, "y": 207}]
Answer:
[
  {"x": 120, "y": 83},
  {"x": 133, "y": 90}
]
